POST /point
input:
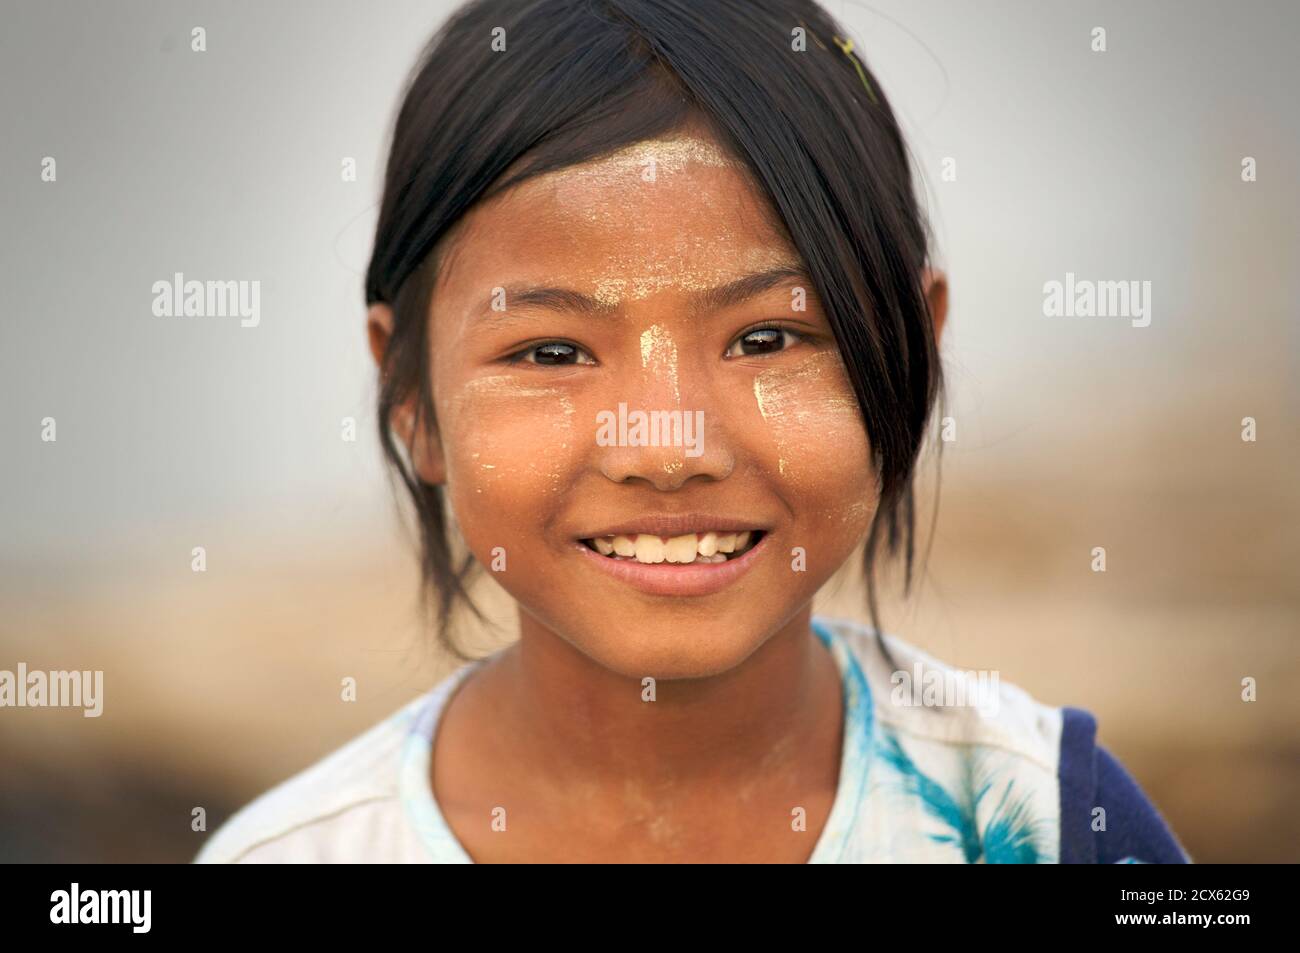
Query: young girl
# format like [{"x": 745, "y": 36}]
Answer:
[{"x": 658, "y": 342}]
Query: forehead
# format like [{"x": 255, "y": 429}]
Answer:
[{"x": 664, "y": 214}]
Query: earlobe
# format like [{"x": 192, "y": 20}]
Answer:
[
  {"x": 425, "y": 448},
  {"x": 935, "y": 284},
  {"x": 379, "y": 328}
]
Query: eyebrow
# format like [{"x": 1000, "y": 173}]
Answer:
[{"x": 706, "y": 299}]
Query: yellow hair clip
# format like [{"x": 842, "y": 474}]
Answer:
[{"x": 847, "y": 46}]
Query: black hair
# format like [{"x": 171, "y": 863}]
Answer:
[{"x": 532, "y": 86}]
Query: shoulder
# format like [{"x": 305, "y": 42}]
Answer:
[
  {"x": 962, "y": 763},
  {"x": 344, "y": 805},
  {"x": 938, "y": 720},
  {"x": 1106, "y": 817},
  {"x": 924, "y": 699}
]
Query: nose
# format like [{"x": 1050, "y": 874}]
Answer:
[
  {"x": 657, "y": 434},
  {"x": 699, "y": 452}
]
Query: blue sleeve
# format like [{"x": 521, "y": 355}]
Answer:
[{"x": 1091, "y": 777}]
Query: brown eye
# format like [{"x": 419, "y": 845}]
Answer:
[
  {"x": 762, "y": 341},
  {"x": 554, "y": 353}
]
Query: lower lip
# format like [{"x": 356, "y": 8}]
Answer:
[{"x": 677, "y": 579}]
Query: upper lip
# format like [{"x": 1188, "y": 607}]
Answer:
[{"x": 673, "y": 525}]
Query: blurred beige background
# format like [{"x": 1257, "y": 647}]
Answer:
[{"x": 1071, "y": 432}]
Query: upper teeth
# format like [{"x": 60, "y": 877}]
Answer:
[{"x": 708, "y": 547}]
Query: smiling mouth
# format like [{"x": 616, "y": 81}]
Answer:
[{"x": 708, "y": 547}]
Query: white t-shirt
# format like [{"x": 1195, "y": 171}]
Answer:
[{"x": 984, "y": 781}]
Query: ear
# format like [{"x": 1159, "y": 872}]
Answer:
[
  {"x": 935, "y": 283},
  {"x": 424, "y": 446}
]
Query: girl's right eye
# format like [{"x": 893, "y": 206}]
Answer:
[{"x": 552, "y": 353}]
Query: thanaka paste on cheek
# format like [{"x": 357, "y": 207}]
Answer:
[
  {"x": 822, "y": 448},
  {"x": 515, "y": 428}
]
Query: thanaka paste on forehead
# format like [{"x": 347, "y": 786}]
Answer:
[
  {"x": 633, "y": 163},
  {"x": 650, "y": 270}
]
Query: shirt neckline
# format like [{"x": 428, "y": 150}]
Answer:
[{"x": 426, "y": 817}]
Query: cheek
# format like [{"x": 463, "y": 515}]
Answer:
[
  {"x": 507, "y": 445},
  {"x": 818, "y": 446}
]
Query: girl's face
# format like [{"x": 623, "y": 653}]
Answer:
[{"x": 573, "y": 304}]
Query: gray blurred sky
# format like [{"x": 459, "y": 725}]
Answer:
[{"x": 225, "y": 165}]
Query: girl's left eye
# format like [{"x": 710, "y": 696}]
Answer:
[
  {"x": 552, "y": 353},
  {"x": 763, "y": 341}
]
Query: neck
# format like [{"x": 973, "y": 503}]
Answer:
[{"x": 572, "y": 718}]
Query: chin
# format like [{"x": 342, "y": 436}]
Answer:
[{"x": 671, "y": 648}]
